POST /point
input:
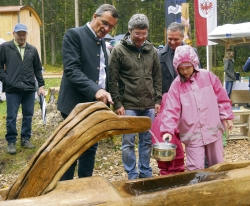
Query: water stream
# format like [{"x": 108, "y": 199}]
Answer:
[
  {"x": 169, "y": 182},
  {"x": 156, "y": 140}
]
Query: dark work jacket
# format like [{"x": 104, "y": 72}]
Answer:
[
  {"x": 17, "y": 74},
  {"x": 135, "y": 76},
  {"x": 81, "y": 61},
  {"x": 229, "y": 70}
]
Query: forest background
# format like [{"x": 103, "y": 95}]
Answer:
[{"x": 59, "y": 15}]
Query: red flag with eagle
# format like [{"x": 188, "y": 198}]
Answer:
[{"x": 205, "y": 20}]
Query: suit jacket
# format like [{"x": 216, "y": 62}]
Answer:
[
  {"x": 81, "y": 61},
  {"x": 167, "y": 68}
]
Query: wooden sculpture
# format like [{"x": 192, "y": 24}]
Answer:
[{"x": 87, "y": 124}]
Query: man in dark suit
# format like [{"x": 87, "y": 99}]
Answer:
[
  {"x": 85, "y": 77},
  {"x": 175, "y": 35}
]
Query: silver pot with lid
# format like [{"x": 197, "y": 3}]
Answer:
[{"x": 163, "y": 151}]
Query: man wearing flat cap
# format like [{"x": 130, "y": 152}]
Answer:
[{"x": 19, "y": 66}]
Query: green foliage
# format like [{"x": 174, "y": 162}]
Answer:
[{"x": 219, "y": 72}]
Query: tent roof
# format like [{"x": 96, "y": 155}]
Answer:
[{"x": 231, "y": 34}]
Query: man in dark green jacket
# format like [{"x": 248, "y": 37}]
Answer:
[
  {"x": 136, "y": 89},
  {"x": 19, "y": 66}
]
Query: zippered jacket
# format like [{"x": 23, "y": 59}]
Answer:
[
  {"x": 229, "y": 70},
  {"x": 135, "y": 76},
  {"x": 196, "y": 107},
  {"x": 17, "y": 74}
]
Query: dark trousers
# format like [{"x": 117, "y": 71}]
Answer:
[
  {"x": 86, "y": 163},
  {"x": 13, "y": 101}
]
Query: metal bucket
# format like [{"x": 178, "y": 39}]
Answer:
[{"x": 163, "y": 151}]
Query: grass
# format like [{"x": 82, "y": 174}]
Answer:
[
  {"x": 53, "y": 69},
  {"x": 52, "y": 82}
]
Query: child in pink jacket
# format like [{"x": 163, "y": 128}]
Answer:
[
  {"x": 199, "y": 107},
  {"x": 176, "y": 165}
]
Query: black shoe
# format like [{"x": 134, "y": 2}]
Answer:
[
  {"x": 26, "y": 143},
  {"x": 11, "y": 149}
]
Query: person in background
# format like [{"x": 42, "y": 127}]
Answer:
[
  {"x": 229, "y": 71},
  {"x": 85, "y": 76},
  {"x": 1, "y": 84},
  {"x": 135, "y": 86},
  {"x": 17, "y": 72},
  {"x": 1, "y": 89},
  {"x": 175, "y": 35},
  {"x": 246, "y": 68},
  {"x": 199, "y": 107},
  {"x": 160, "y": 47}
]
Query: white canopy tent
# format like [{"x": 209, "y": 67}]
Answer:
[
  {"x": 231, "y": 35},
  {"x": 234, "y": 35}
]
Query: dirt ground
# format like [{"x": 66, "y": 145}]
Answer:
[{"x": 108, "y": 158}]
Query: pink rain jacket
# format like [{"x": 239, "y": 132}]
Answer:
[
  {"x": 176, "y": 165},
  {"x": 197, "y": 106}
]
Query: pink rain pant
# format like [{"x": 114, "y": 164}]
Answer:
[{"x": 195, "y": 156}]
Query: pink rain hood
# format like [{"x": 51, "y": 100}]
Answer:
[{"x": 185, "y": 53}]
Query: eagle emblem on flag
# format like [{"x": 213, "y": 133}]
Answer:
[{"x": 206, "y": 8}]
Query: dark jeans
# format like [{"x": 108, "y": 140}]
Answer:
[
  {"x": 229, "y": 86},
  {"x": 86, "y": 163},
  {"x": 13, "y": 101}
]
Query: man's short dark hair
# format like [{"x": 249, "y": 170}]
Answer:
[{"x": 107, "y": 7}]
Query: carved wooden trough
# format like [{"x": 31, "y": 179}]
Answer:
[{"x": 223, "y": 184}]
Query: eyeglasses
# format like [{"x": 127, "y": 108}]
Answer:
[
  {"x": 106, "y": 24},
  {"x": 139, "y": 34}
]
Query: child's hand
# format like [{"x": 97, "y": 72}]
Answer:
[
  {"x": 166, "y": 136},
  {"x": 228, "y": 123}
]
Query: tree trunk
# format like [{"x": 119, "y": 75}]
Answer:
[
  {"x": 44, "y": 43},
  {"x": 53, "y": 52},
  {"x": 76, "y": 13}
]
